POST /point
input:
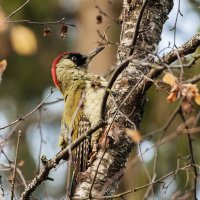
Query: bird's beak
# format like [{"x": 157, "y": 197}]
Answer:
[{"x": 93, "y": 53}]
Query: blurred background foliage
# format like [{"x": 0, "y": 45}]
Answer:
[{"x": 27, "y": 80}]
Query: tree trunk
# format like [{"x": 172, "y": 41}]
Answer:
[{"x": 142, "y": 24}]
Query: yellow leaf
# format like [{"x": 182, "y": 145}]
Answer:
[
  {"x": 23, "y": 40},
  {"x": 169, "y": 79},
  {"x": 134, "y": 135},
  {"x": 197, "y": 99}
]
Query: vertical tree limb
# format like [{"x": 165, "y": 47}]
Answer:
[{"x": 147, "y": 36}]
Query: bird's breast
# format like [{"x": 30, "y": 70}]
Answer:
[{"x": 92, "y": 103}]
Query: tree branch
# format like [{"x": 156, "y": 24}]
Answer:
[{"x": 187, "y": 48}]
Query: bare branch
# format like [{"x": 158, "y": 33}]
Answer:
[
  {"x": 61, "y": 21},
  {"x": 187, "y": 48},
  {"x": 191, "y": 149},
  {"x": 194, "y": 79},
  {"x": 17, "y": 10},
  {"x": 15, "y": 167}
]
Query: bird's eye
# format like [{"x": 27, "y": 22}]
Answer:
[{"x": 73, "y": 58}]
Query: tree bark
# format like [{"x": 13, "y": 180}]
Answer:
[{"x": 142, "y": 23}]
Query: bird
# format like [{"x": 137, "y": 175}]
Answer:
[{"x": 83, "y": 93}]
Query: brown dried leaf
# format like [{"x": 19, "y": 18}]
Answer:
[
  {"x": 134, "y": 135},
  {"x": 63, "y": 32},
  {"x": 172, "y": 97},
  {"x": 99, "y": 19},
  {"x": 46, "y": 31}
]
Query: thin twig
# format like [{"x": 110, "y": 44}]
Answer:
[
  {"x": 163, "y": 130},
  {"x": 191, "y": 149},
  {"x": 41, "y": 138},
  {"x": 146, "y": 171},
  {"x": 180, "y": 130},
  {"x": 9, "y": 161},
  {"x": 15, "y": 167},
  {"x": 30, "y": 113},
  {"x": 14, "y": 12},
  {"x": 61, "y": 21},
  {"x": 194, "y": 79},
  {"x": 176, "y": 20},
  {"x": 166, "y": 125},
  {"x": 105, "y": 38}
]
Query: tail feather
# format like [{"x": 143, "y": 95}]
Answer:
[{"x": 82, "y": 153}]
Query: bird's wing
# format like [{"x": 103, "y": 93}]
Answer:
[
  {"x": 73, "y": 99},
  {"x": 75, "y": 123}
]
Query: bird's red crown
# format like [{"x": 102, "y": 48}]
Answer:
[{"x": 55, "y": 62}]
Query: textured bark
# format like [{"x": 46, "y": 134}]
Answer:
[{"x": 127, "y": 86}]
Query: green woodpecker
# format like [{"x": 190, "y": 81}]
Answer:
[{"x": 83, "y": 93}]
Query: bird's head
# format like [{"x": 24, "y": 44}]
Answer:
[{"x": 71, "y": 65}]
